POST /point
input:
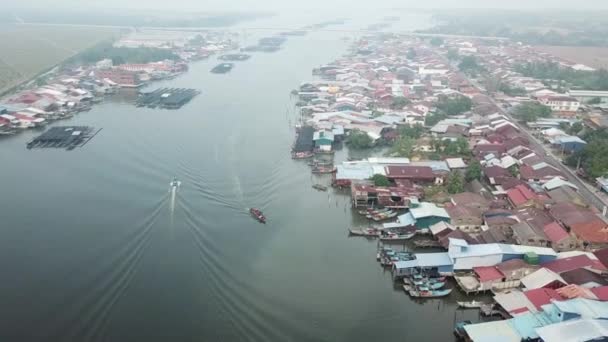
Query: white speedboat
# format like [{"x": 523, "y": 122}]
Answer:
[{"x": 175, "y": 183}]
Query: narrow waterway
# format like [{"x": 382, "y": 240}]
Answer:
[{"x": 93, "y": 246}]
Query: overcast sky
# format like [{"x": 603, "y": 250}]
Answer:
[{"x": 296, "y": 4}]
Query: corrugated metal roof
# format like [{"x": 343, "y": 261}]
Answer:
[
  {"x": 541, "y": 278},
  {"x": 574, "y": 331},
  {"x": 497, "y": 331},
  {"x": 427, "y": 209}
]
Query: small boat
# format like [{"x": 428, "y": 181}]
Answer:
[
  {"x": 323, "y": 169},
  {"x": 431, "y": 286},
  {"x": 371, "y": 212},
  {"x": 367, "y": 232},
  {"x": 407, "y": 287},
  {"x": 470, "y": 305},
  {"x": 319, "y": 187},
  {"x": 258, "y": 215},
  {"x": 302, "y": 155},
  {"x": 175, "y": 183},
  {"x": 428, "y": 293},
  {"x": 397, "y": 237},
  {"x": 222, "y": 68},
  {"x": 384, "y": 216}
]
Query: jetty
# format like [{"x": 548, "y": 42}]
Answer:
[
  {"x": 68, "y": 137},
  {"x": 166, "y": 98}
]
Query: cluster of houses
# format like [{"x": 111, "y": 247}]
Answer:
[
  {"x": 70, "y": 90},
  {"x": 521, "y": 230}
]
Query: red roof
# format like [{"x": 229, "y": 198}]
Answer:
[
  {"x": 411, "y": 172},
  {"x": 520, "y": 195},
  {"x": 542, "y": 296},
  {"x": 573, "y": 263},
  {"x": 595, "y": 230},
  {"x": 555, "y": 232},
  {"x": 602, "y": 256},
  {"x": 488, "y": 273},
  {"x": 601, "y": 292}
]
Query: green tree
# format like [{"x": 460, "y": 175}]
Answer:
[
  {"x": 473, "y": 171},
  {"x": 595, "y": 100},
  {"x": 432, "y": 119},
  {"x": 514, "y": 170},
  {"x": 531, "y": 111},
  {"x": 469, "y": 65},
  {"x": 436, "y": 41},
  {"x": 411, "y": 53},
  {"x": 455, "y": 106},
  {"x": 413, "y": 131},
  {"x": 453, "y": 54},
  {"x": 399, "y": 102},
  {"x": 403, "y": 147},
  {"x": 575, "y": 128},
  {"x": 463, "y": 146},
  {"x": 450, "y": 148},
  {"x": 594, "y": 157},
  {"x": 359, "y": 140},
  {"x": 380, "y": 180},
  {"x": 455, "y": 183}
]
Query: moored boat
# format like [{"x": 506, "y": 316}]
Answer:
[
  {"x": 423, "y": 292},
  {"x": 367, "y": 232},
  {"x": 323, "y": 169},
  {"x": 302, "y": 155},
  {"x": 258, "y": 215},
  {"x": 319, "y": 187},
  {"x": 459, "y": 329},
  {"x": 470, "y": 305},
  {"x": 396, "y": 237},
  {"x": 222, "y": 68}
]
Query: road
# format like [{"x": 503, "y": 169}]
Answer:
[{"x": 586, "y": 190}]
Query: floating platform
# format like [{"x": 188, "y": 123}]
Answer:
[
  {"x": 235, "y": 57},
  {"x": 166, "y": 98},
  {"x": 222, "y": 68},
  {"x": 68, "y": 137}
]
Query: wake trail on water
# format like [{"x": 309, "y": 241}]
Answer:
[
  {"x": 104, "y": 291},
  {"x": 233, "y": 294}
]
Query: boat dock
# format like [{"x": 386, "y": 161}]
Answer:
[
  {"x": 68, "y": 137},
  {"x": 166, "y": 98}
]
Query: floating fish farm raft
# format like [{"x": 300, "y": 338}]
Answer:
[
  {"x": 222, "y": 68},
  {"x": 235, "y": 57},
  {"x": 68, "y": 137},
  {"x": 166, "y": 98}
]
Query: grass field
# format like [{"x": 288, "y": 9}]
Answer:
[
  {"x": 29, "y": 50},
  {"x": 596, "y": 57}
]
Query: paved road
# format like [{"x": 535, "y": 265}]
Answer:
[{"x": 586, "y": 190}]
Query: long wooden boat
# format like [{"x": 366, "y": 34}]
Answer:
[
  {"x": 301, "y": 155},
  {"x": 428, "y": 293},
  {"x": 322, "y": 169},
  {"x": 371, "y": 212},
  {"x": 319, "y": 187},
  {"x": 471, "y": 305},
  {"x": 367, "y": 232},
  {"x": 397, "y": 237},
  {"x": 382, "y": 217}
]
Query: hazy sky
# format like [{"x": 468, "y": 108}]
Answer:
[{"x": 333, "y": 4}]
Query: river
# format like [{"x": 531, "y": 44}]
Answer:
[{"x": 92, "y": 247}]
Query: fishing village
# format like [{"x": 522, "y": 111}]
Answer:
[
  {"x": 79, "y": 83},
  {"x": 466, "y": 185}
]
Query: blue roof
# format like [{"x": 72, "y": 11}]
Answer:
[
  {"x": 426, "y": 260},
  {"x": 354, "y": 171},
  {"x": 570, "y": 139},
  {"x": 526, "y": 324},
  {"x": 407, "y": 219}
]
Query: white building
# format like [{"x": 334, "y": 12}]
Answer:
[{"x": 561, "y": 103}]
